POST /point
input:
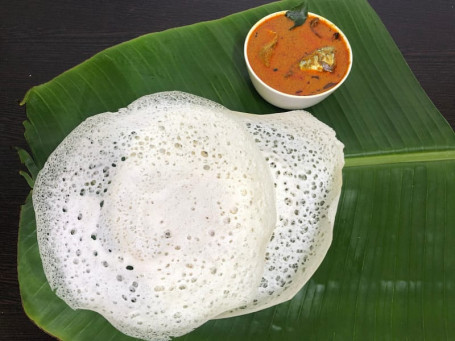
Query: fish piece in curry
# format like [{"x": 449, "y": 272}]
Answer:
[{"x": 322, "y": 59}]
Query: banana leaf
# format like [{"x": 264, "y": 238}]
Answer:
[{"x": 390, "y": 272}]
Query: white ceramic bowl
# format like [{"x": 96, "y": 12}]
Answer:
[{"x": 281, "y": 99}]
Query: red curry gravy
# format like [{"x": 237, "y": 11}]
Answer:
[{"x": 275, "y": 53}]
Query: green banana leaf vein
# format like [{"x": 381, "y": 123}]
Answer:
[{"x": 390, "y": 272}]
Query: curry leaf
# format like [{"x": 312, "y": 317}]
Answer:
[{"x": 298, "y": 14}]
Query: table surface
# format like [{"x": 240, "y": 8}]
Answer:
[{"x": 41, "y": 39}]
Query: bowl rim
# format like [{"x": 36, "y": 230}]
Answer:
[{"x": 280, "y": 93}]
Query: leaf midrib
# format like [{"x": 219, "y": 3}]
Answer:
[
  {"x": 355, "y": 161},
  {"x": 395, "y": 158}
]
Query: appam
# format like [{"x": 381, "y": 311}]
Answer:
[
  {"x": 175, "y": 210},
  {"x": 156, "y": 216}
]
